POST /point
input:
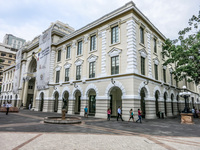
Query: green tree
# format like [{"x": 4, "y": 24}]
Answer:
[{"x": 184, "y": 53}]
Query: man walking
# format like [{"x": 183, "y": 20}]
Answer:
[
  {"x": 85, "y": 112},
  {"x": 8, "y": 105},
  {"x": 139, "y": 116},
  {"x": 119, "y": 111}
]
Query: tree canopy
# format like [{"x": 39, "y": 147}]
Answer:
[{"x": 184, "y": 52}]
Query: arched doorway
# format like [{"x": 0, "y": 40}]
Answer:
[
  {"x": 77, "y": 105},
  {"x": 115, "y": 100},
  {"x": 42, "y": 101},
  {"x": 142, "y": 102},
  {"x": 65, "y": 100},
  {"x": 56, "y": 95},
  {"x": 156, "y": 102},
  {"x": 10, "y": 98},
  {"x": 92, "y": 102},
  {"x": 172, "y": 99},
  {"x": 165, "y": 103},
  {"x": 15, "y": 104}
]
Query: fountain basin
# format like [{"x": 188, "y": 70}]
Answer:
[{"x": 59, "y": 120}]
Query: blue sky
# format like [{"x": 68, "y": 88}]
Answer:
[{"x": 29, "y": 18}]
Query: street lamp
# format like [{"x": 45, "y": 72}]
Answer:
[{"x": 185, "y": 95}]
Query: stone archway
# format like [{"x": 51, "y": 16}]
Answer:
[
  {"x": 178, "y": 108},
  {"x": 92, "y": 102},
  {"x": 15, "y": 104},
  {"x": 77, "y": 106},
  {"x": 157, "y": 95},
  {"x": 172, "y": 105},
  {"x": 143, "y": 93},
  {"x": 165, "y": 103},
  {"x": 115, "y": 100},
  {"x": 41, "y": 101},
  {"x": 56, "y": 98}
]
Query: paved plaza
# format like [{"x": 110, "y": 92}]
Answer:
[{"x": 26, "y": 130}]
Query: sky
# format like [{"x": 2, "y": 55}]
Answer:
[{"x": 29, "y": 18}]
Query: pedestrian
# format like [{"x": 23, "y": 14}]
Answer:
[
  {"x": 193, "y": 111},
  {"x": 139, "y": 116},
  {"x": 109, "y": 113},
  {"x": 119, "y": 111},
  {"x": 131, "y": 115},
  {"x": 29, "y": 106},
  {"x": 8, "y": 105},
  {"x": 86, "y": 112}
]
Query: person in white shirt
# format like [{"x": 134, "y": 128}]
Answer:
[
  {"x": 119, "y": 111},
  {"x": 8, "y": 105}
]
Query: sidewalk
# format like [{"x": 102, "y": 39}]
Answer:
[{"x": 26, "y": 130}]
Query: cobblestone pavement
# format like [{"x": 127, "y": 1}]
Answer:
[{"x": 26, "y": 130}]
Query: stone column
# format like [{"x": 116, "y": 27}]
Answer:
[
  {"x": 34, "y": 96},
  {"x": 175, "y": 108},
  {"x": 60, "y": 105},
  {"x": 127, "y": 104},
  {"x": 71, "y": 106},
  {"x": 150, "y": 109},
  {"x": 25, "y": 92},
  {"x": 102, "y": 104},
  {"x": 169, "y": 108},
  {"x": 84, "y": 102}
]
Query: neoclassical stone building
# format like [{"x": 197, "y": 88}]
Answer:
[{"x": 114, "y": 61}]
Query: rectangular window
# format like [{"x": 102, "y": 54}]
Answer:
[
  {"x": 171, "y": 77},
  {"x": 3, "y": 54},
  {"x": 57, "y": 76},
  {"x": 59, "y": 56},
  {"x": 78, "y": 72},
  {"x": 115, "y": 65},
  {"x": 1, "y": 73},
  {"x": 9, "y": 62},
  {"x": 92, "y": 70},
  {"x": 114, "y": 35},
  {"x": 164, "y": 75},
  {"x": 10, "y": 55},
  {"x": 163, "y": 56},
  {"x": 66, "y": 74},
  {"x": 155, "y": 46},
  {"x": 141, "y": 35},
  {"x": 142, "y": 65},
  {"x": 79, "y": 50},
  {"x": 156, "y": 71},
  {"x": 93, "y": 43},
  {"x": 68, "y": 52}
]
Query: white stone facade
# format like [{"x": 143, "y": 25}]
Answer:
[{"x": 110, "y": 75}]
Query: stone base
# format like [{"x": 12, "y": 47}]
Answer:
[
  {"x": 187, "y": 118},
  {"x": 11, "y": 109}
]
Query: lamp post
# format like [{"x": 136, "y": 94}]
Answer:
[{"x": 185, "y": 95}]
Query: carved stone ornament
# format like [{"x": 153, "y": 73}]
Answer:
[
  {"x": 143, "y": 53},
  {"x": 58, "y": 68},
  {"x": 92, "y": 58},
  {"x": 78, "y": 62},
  {"x": 165, "y": 67},
  {"x": 114, "y": 52},
  {"x": 156, "y": 61},
  {"x": 67, "y": 65}
]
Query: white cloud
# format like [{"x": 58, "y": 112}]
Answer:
[{"x": 28, "y": 18}]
